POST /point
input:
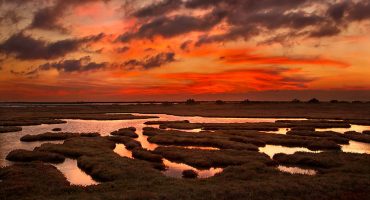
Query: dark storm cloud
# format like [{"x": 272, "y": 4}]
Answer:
[
  {"x": 81, "y": 65},
  {"x": 48, "y": 18},
  {"x": 151, "y": 62},
  {"x": 248, "y": 18},
  {"x": 24, "y": 47},
  {"x": 158, "y": 8},
  {"x": 174, "y": 26}
]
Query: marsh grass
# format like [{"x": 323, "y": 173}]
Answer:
[
  {"x": 205, "y": 159},
  {"x": 129, "y": 132},
  {"x": 7, "y": 129},
  {"x": 360, "y": 137},
  {"x": 147, "y": 155},
  {"x": 127, "y": 141},
  {"x": 189, "y": 174},
  {"x": 21, "y": 155},
  {"x": 49, "y": 136}
]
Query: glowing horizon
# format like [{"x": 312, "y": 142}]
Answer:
[{"x": 114, "y": 50}]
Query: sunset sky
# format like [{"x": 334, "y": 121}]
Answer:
[{"x": 140, "y": 50}]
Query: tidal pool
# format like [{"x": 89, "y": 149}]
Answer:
[
  {"x": 10, "y": 141},
  {"x": 271, "y": 150},
  {"x": 74, "y": 174}
]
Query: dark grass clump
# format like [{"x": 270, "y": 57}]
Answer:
[
  {"x": 147, "y": 155},
  {"x": 127, "y": 141},
  {"x": 338, "y": 163},
  {"x": 7, "y": 129},
  {"x": 206, "y": 159},
  {"x": 353, "y": 135},
  {"x": 150, "y": 131},
  {"x": 30, "y": 122},
  {"x": 34, "y": 180},
  {"x": 289, "y": 140},
  {"x": 313, "y": 101},
  {"x": 203, "y": 142},
  {"x": 247, "y": 140},
  {"x": 260, "y": 126},
  {"x": 175, "y": 125},
  {"x": 78, "y": 146},
  {"x": 21, "y": 155},
  {"x": 56, "y": 129},
  {"x": 48, "y": 137},
  {"x": 301, "y": 128},
  {"x": 190, "y": 102},
  {"x": 129, "y": 132},
  {"x": 220, "y": 102},
  {"x": 89, "y": 134},
  {"x": 189, "y": 174},
  {"x": 164, "y": 122},
  {"x": 323, "y": 145},
  {"x": 312, "y": 123},
  {"x": 367, "y": 132},
  {"x": 328, "y": 135},
  {"x": 364, "y": 122}
]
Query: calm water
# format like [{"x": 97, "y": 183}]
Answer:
[{"x": 10, "y": 141}]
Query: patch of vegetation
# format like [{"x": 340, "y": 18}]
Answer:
[
  {"x": 127, "y": 141},
  {"x": 7, "y": 129},
  {"x": 314, "y": 100},
  {"x": 21, "y": 155},
  {"x": 323, "y": 145},
  {"x": 261, "y": 126},
  {"x": 220, "y": 102},
  {"x": 89, "y": 134},
  {"x": 327, "y": 162},
  {"x": 189, "y": 174},
  {"x": 186, "y": 126},
  {"x": 205, "y": 159},
  {"x": 190, "y": 102},
  {"x": 32, "y": 181},
  {"x": 353, "y": 135},
  {"x": 129, "y": 132},
  {"x": 317, "y": 123},
  {"x": 56, "y": 129},
  {"x": 200, "y": 140},
  {"x": 147, "y": 155},
  {"x": 164, "y": 122},
  {"x": 30, "y": 122},
  {"x": 328, "y": 135},
  {"x": 78, "y": 146},
  {"x": 48, "y": 137}
]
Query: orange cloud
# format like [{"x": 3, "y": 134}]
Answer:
[
  {"x": 235, "y": 81},
  {"x": 241, "y": 57}
]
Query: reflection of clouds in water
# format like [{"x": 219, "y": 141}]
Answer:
[
  {"x": 271, "y": 150},
  {"x": 74, "y": 174},
  {"x": 356, "y": 147},
  {"x": 176, "y": 169}
]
